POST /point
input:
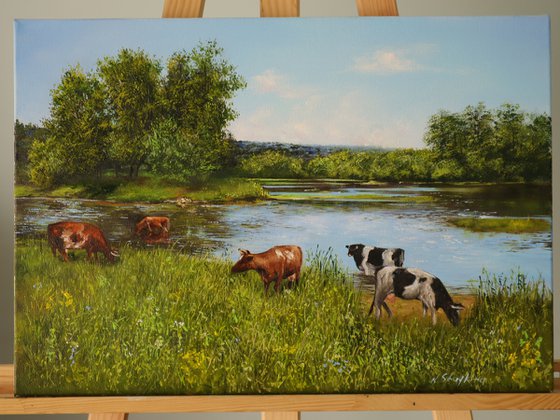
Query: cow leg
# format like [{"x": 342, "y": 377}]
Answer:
[
  {"x": 389, "y": 312},
  {"x": 295, "y": 277},
  {"x": 434, "y": 315},
  {"x": 64, "y": 254},
  {"x": 292, "y": 280},
  {"x": 377, "y": 305},
  {"x": 424, "y": 310},
  {"x": 266, "y": 286},
  {"x": 368, "y": 269},
  {"x": 371, "y": 307},
  {"x": 277, "y": 285}
]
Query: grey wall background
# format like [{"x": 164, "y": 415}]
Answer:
[{"x": 12, "y": 9}]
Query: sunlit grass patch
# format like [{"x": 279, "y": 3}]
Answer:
[
  {"x": 26, "y": 191},
  {"x": 228, "y": 189},
  {"x": 502, "y": 224},
  {"x": 354, "y": 197},
  {"x": 146, "y": 190}
]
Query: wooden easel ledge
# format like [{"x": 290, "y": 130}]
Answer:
[{"x": 274, "y": 407}]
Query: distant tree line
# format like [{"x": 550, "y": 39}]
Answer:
[
  {"x": 477, "y": 144},
  {"x": 130, "y": 113}
]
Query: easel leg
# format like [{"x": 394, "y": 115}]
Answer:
[
  {"x": 452, "y": 415},
  {"x": 280, "y": 415},
  {"x": 108, "y": 416}
]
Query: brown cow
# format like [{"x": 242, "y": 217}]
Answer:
[
  {"x": 79, "y": 235},
  {"x": 153, "y": 229},
  {"x": 278, "y": 263}
]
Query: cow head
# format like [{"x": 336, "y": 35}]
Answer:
[
  {"x": 355, "y": 249},
  {"x": 245, "y": 262},
  {"x": 114, "y": 255},
  {"x": 452, "y": 312}
]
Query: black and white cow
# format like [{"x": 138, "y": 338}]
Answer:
[
  {"x": 413, "y": 283},
  {"x": 368, "y": 258}
]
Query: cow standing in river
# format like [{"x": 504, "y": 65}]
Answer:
[
  {"x": 368, "y": 258},
  {"x": 153, "y": 229}
]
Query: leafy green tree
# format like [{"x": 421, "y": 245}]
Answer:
[
  {"x": 446, "y": 136},
  {"x": 131, "y": 85},
  {"x": 480, "y": 144},
  {"x": 198, "y": 90},
  {"x": 178, "y": 154},
  {"x": 197, "y": 93},
  {"x": 272, "y": 164},
  {"x": 25, "y": 135},
  {"x": 536, "y": 153},
  {"x": 76, "y": 132},
  {"x": 403, "y": 165}
]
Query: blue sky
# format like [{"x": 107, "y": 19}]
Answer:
[{"x": 360, "y": 81}]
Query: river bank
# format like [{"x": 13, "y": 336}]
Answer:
[{"x": 153, "y": 190}]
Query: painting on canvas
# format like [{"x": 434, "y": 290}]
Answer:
[{"x": 283, "y": 206}]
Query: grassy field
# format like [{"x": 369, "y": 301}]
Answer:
[
  {"x": 162, "y": 322},
  {"x": 153, "y": 190},
  {"x": 502, "y": 224}
]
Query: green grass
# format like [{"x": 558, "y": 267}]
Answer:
[
  {"x": 153, "y": 190},
  {"x": 354, "y": 197},
  {"x": 502, "y": 224},
  {"x": 161, "y": 322},
  {"x": 228, "y": 190}
]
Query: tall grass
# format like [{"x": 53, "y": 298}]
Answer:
[
  {"x": 161, "y": 322},
  {"x": 502, "y": 224}
]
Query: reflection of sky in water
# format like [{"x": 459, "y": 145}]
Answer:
[{"x": 451, "y": 253}]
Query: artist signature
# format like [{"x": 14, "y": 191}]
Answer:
[{"x": 458, "y": 379}]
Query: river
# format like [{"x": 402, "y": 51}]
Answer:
[{"x": 333, "y": 214}]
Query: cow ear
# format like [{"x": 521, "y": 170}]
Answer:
[
  {"x": 244, "y": 252},
  {"x": 348, "y": 246}
]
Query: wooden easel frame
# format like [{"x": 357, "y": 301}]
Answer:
[{"x": 275, "y": 407}]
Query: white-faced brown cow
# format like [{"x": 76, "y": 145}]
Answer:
[
  {"x": 153, "y": 229},
  {"x": 79, "y": 235},
  {"x": 278, "y": 263}
]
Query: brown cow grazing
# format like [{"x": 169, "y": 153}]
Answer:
[
  {"x": 79, "y": 235},
  {"x": 278, "y": 263},
  {"x": 153, "y": 229}
]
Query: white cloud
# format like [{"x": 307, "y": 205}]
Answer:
[
  {"x": 270, "y": 81},
  {"x": 386, "y": 62},
  {"x": 351, "y": 118}
]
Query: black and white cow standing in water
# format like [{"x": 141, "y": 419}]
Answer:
[
  {"x": 413, "y": 283},
  {"x": 368, "y": 258}
]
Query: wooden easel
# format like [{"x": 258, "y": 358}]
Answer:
[{"x": 274, "y": 407}]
